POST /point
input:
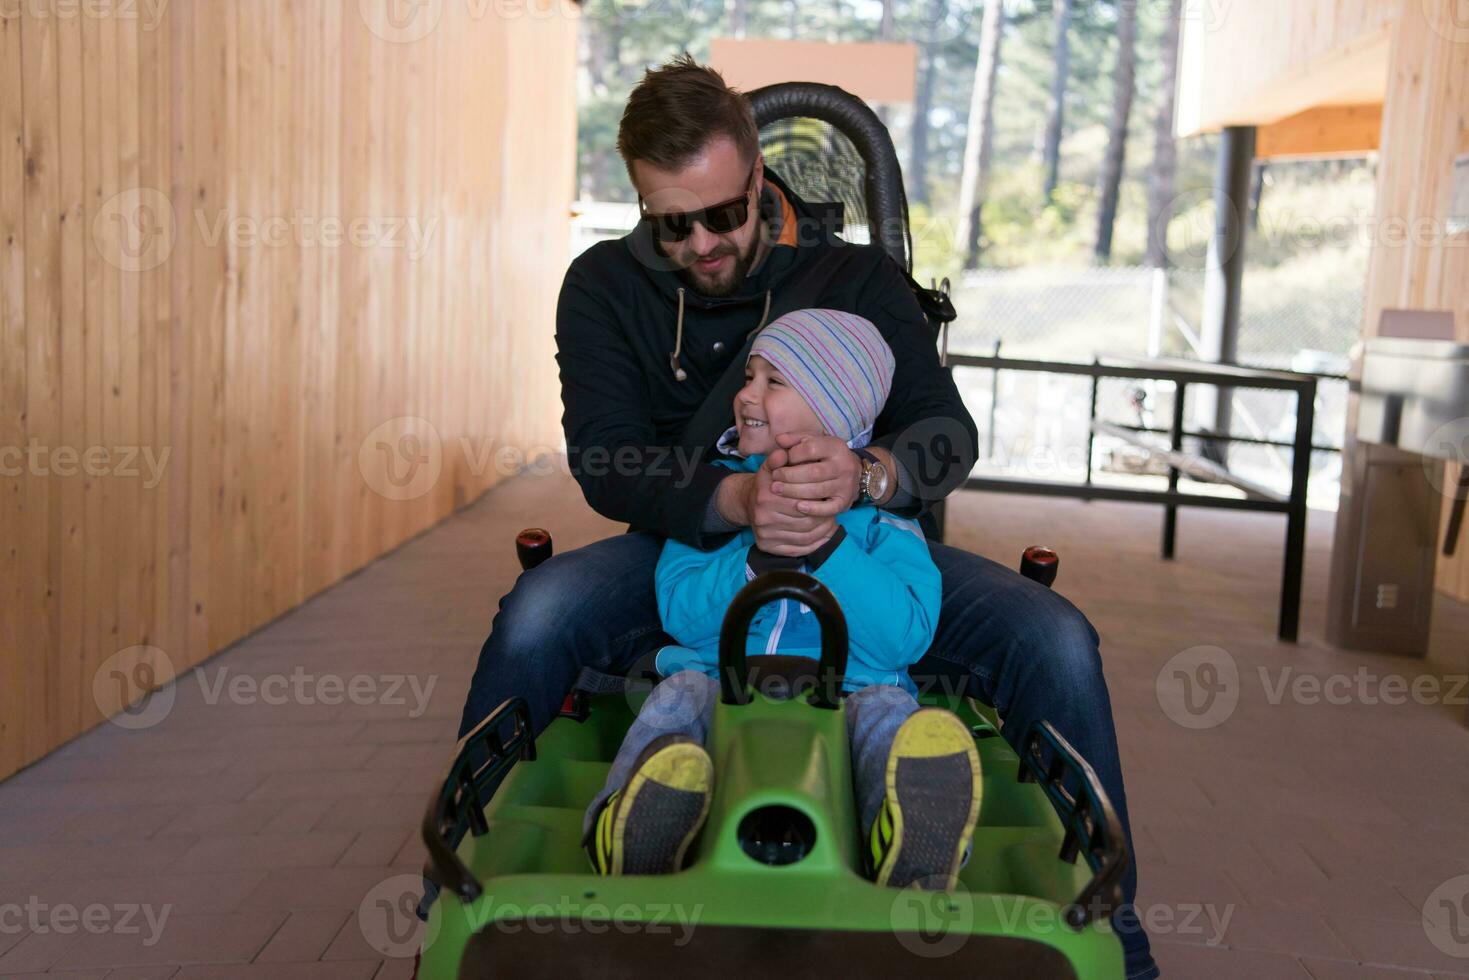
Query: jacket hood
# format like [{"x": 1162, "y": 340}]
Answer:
[{"x": 783, "y": 210}]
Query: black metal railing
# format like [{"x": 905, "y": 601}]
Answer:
[{"x": 1181, "y": 374}]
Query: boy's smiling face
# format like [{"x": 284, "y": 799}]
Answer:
[{"x": 767, "y": 406}]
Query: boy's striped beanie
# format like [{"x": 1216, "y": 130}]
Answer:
[{"x": 838, "y": 362}]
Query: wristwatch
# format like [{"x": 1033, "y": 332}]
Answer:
[{"x": 874, "y": 485}]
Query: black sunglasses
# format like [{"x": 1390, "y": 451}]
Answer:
[{"x": 720, "y": 219}]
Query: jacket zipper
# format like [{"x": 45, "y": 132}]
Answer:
[{"x": 780, "y": 622}]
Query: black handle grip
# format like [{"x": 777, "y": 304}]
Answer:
[
  {"x": 532, "y": 546},
  {"x": 734, "y": 671},
  {"x": 1040, "y": 565}
]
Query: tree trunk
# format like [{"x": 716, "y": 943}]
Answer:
[
  {"x": 923, "y": 103},
  {"x": 1165, "y": 158},
  {"x": 736, "y": 11},
  {"x": 885, "y": 33},
  {"x": 979, "y": 138},
  {"x": 1122, "y": 89},
  {"x": 1055, "y": 118}
]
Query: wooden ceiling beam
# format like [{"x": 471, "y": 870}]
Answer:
[{"x": 1326, "y": 131}]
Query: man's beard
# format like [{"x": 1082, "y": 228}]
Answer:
[{"x": 736, "y": 275}]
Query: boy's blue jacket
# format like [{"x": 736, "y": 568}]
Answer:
[{"x": 880, "y": 572}]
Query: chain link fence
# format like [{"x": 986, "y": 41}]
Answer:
[{"x": 1064, "y": 314}]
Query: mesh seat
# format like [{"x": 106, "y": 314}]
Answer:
[
  {"x": 829, "y": 146},
  {"x": 819, "y": 162}
]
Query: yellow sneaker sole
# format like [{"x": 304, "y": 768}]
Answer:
[
  {"x": 934, "y": 790},
  {"x": 661, "y": 810}
]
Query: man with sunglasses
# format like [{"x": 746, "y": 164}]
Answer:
[{"x": 647, "y": 329}]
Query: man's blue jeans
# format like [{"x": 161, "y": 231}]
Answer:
[{"x": 1001, "y": 638}]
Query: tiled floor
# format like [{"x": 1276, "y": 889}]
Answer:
[{"x": 265, "y": 827}]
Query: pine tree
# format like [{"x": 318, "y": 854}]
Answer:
[
  {"x": 1122, "y": 91},
  {"x": 979, "y": 139},
  {"x": 1056, "y": 116}
]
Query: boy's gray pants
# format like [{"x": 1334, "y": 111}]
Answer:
[{"x": 684, "y": 704}]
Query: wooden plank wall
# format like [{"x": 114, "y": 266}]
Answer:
[
  {"x": 1415, "y": 262},
  {"x": 233, "y": 244}
]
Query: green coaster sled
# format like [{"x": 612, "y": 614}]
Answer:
[{"x": 774, "y": 883}]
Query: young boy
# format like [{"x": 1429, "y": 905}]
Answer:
[{"x": 915, "y": 769}]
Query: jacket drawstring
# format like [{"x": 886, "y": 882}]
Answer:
[
  {"x": 679, "y": 374},
  {"x": 763, "y": 315}
]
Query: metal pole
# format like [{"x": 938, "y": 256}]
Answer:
[
  {"x": 989, "y": 443},
  {"x": 1295, "y": 519},
  {"x": 1175, "y": 441},
  {"x": 1158, "y": 309},
  {"x": 1225, "y": 267},
  {"x": 1091, "y": 416}
]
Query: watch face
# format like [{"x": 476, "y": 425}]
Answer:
[{"x": 879, "y": 481}]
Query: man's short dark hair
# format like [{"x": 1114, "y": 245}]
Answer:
[{"x": 676, "y": 110}]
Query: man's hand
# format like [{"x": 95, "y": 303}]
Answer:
[
  {"x": 780, "y": 528},
  {"x": 820, "y": 473}
]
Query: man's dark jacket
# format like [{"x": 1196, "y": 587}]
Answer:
[{"x": 624, "y": 411}]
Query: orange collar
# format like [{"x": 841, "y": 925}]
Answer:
[{"x": 787, "y": 218}]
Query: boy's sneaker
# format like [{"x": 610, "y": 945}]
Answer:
[
  {"x": 921, "y": 835},
  {"x": 646, "y": 827}
]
